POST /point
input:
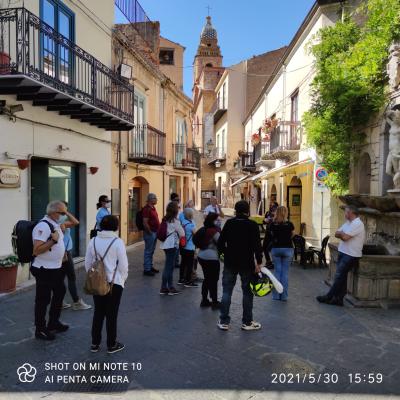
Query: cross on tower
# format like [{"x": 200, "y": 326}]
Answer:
[{"x": 208, "y": 10}]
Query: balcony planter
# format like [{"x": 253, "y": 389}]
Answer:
[
  {"x": 255, "y": 139},
  {"x": 23, "y": 164},
  {"x": 4, "y": 63},
  {"x": 8, "y": 274},
  {"x": 93, "y": 170}
]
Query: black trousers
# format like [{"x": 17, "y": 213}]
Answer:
[
  {"x": 50, "y": 289},
  {"x": 211, "y": 269},
  {"x": 186, "y": 267},
  {"x": 106, "y": 307},
  {"x": 69, "y": 270}
]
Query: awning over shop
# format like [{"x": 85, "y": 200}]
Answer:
[
  {"x": 259, "y": 176},
  {"x": 270, "y": 172},
  {"x": 241, "y": 180}
]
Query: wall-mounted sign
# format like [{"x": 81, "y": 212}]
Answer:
[
  {"x": 10, "y": 176},
  {"x": 321, "y": 174}
]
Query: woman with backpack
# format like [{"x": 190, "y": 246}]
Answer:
[
  {"x": 110, "y": 249},
  {"x": 187, "y": 249},
  {"x": 208, "y": 258},
  {"x": 169, "y": 233},
  {"x": 280, "y": 233}
]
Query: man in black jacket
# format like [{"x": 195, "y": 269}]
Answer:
[{"x": 241, "y": 245}]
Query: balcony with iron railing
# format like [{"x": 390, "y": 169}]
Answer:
[
  {"x": 39, "y": 64},
  {"x": 215, "y": 155},
  {"x": 285, "y": 141},
  {"x": 187, "y": 158},
  {"x": 147, "y": 145},
  {"x": 247, "y": 162},
  {"x": 218, "y": 109}
]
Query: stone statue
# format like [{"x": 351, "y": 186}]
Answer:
[
  {"x": 393, "y": 159},
  {"x": 393, "y": 66}
]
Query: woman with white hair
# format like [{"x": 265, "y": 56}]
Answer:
[{"x": 187, "y": 251}]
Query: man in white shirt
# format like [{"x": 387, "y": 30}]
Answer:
[
  {"x": 48, "y": 250},
  {"x": 352, "y": 236},
  {"x": 215, "y": 208}
]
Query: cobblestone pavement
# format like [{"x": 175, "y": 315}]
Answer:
[{"x": 184, "y": 355}]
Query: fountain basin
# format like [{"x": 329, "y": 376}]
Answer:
[
  {"x": 375, "y": 282},
  {"x": 380, "y": 203}
]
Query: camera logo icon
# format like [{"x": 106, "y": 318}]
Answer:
[{"x": 26, "y": 373}]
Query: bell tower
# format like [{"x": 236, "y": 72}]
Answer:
[{"x": 208, "y": 53}]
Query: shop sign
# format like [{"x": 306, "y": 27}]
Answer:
[{"x": 9, "y": 177}]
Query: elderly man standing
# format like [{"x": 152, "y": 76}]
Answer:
[
  {"x": 48, "y": 250},
  {"x": 352, "y": 236},
  {"x": 215, "y": 208},
  {"x": 151, "y": 223}
]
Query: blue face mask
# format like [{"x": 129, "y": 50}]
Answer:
[{"x": 62, "y": 219}]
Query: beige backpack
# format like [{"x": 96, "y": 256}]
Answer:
[{"x": 96, "y": 278}]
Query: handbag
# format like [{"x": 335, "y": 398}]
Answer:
[
  {"x": 96, "y": 282},
  {"x": 93, "y": 232}
]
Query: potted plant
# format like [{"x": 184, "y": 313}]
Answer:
[
  {"x": 8, "y": 273},
  {"x": 255, "y": 139}
]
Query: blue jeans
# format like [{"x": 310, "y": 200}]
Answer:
[
  {"x": 168, "y": 272},
  {"x": 344, "y": 264},
  {"x": 228, "y": 283},
  {"x": 150, "y": 241},
  {"x": 282, "y": 258}
]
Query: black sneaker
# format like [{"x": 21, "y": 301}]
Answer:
[
  {"x": 148, "y": 273},
  {"x": 335, "y": 301},
  {"x": 116, "y": 348},
  {"x": 58, "y": 328},
  {"x": 155, "y": 270},
  {"x": 44, "y": 334},
  {"x": 323, "y": 299},
  {"x": 181, "y": 282},
  {"x": 94, "y": 348},
  {"x": 205, "y": 303},
  {"x": 191, "y": 284}
]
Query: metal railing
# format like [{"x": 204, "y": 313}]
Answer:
[
  {"x": 186, "y": 157},
  {"x": 286, "y": 136},
  {"x": 217, "y": 153},
  {"x": 247, "y": 161},
  {"x": 135, "y": 14},
  {"x": 218, "y": 105},
  {"x": 31, "y": 47},
  {"x": 147, "y": 145}
]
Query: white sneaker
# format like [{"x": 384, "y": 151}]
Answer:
[
  {"x": 65, "y": 306},
  {"x": 223, "y": 327},
  {"x": 254, "y": 326},
  {"x": 80, "y": 305}
]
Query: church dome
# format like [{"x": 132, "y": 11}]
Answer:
[{"x": 208, "y": 32}]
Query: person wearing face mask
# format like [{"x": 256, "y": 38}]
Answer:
[
  {"x": 103, "y": 207},
  {"x": 67, "y": 222},
  {"x": 48, "y": 250}
]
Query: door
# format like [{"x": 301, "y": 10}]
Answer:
[
  {"x": 294, "y": 206},
  {"x": 134, "y": 203},
  {"x": 55, "y": 180}
]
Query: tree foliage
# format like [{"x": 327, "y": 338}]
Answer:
[{"x": 349, "y": 87}]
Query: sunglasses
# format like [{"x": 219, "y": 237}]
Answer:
[{"x": 61, "y": 212}]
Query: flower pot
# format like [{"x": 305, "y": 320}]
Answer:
[
  {"x": 23, "y": 164},
  {"x": 8, "y": 279},
  {"x": 4, "y": 63}
]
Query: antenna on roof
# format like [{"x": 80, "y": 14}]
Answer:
[{"x": 208, "y": 10}]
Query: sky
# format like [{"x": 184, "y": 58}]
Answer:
[{"x": 245, "y": 28}]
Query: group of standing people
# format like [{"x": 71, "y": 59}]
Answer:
[{"x": 238, "y": 242}]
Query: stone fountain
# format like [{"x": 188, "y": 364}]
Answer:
[{"x": 376, "y": 281}]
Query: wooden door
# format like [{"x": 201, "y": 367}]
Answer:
[{"x": 294, "y": 206}]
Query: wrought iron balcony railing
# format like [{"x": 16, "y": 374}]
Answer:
[
  {"x": 286, "y": 137},
  {"x": 218, "y": 109},
  {"x": 216, "y": 154},
  {"x": 186, "y": 157},
  {"x": 147, "y": 145},
  {"x": 247, "y": 162},
  {"x": 38, "y": 63}
]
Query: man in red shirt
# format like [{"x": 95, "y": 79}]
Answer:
[{"x": 151, "y": 223}]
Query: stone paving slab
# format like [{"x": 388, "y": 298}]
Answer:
[{"x": 184, "y": 355}]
